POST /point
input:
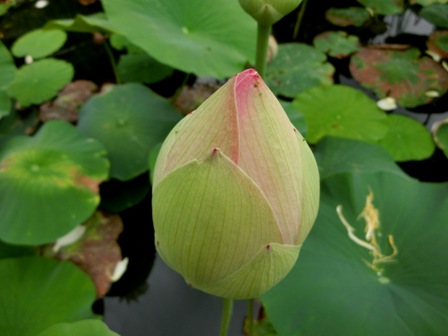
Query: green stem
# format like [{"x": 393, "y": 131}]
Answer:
[
  {"x": 299, "y": 20},
  {"x": 112, "y": 62},
  {"x": 262, "y": 48},
  {"x": 250, "y": 317},
  {"x": 227, "y": 309}
]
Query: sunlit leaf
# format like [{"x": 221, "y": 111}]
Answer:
[
  {"x": 49, "y": 183},
  {"x": 194, "y": 36},
  {"x": 39, "y": 43}
]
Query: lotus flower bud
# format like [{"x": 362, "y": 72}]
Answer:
[
  {"x": 235, "y": 192},
  {"x": 268, "y": 12}
]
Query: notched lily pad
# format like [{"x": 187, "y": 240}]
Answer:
[
  {"x": 399, "y": 73},
  {"x": 337, "y": 44},
  {"x": 438, "y": 43},
  {"x": 350, "y": 16},
  {"x": 66, "y": 105},
  {"x": 384, "y": 7},
  {"x": 440, "y": 135},
  {"x": 407, "y": 139},
  {"x": 129, "y": 120},
  {"x": 49, "y": 183},
  {"x": 296, "y": 68},
  {"x": 39, "y": 43},
  {"x": 97, "y": 251},
  {"x": 341, "y": 111},
  {"x": 40, "y": 81}
]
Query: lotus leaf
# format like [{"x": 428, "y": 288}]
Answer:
[
  {"x": 83, "y": 24},
  {"x": 428, "y": 2},
  {"x": 337, "y": 43},
  {"x": 438, "y": 43},
  {"x": 49, "y": 183},
  {"x": 339, "y": 288},
  {"x": 407, "y": 139},
  {"x": 13, "y": 251},
  {"x": 142, "y": 68},
  {"x": 129, "y": 120},
  {"x": 80, "y": 328},
  {"x": 341, "y": 111},
  {"x": 205, "y": 37},
  {"x": 440, "y": 134},
  {"x": 40, "y": 81},
  {"x": 5, "y": 104},
  {"x": 436, "y": 14},
  {"x": 39, "y": 43},
  {"x": 296, "y": 68},
  {"x": 344, "y": 17},
  {"x": 399, "y": 73},
  {"x": 40, "y": 292},
  {"x": 7, "y": 67},
  {"x": 384, "y": 7}
]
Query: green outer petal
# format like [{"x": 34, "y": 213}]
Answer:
[
  {"x": 262, "y": 273},
  {"x": 210, "y": 219}
]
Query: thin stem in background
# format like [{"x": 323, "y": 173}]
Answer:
[
  {"x": 227, "y": 309},
  {"x": 112, "y": 62},
  {"x": 299, "y": 20},
  {"x": 262, "y": 48},
  {"x": 250, "y": 317}
]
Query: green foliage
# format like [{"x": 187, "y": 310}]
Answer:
[
  {"x": 80, "y": 328},
  {"x": 210, "y": 45},
  {"x": 39, "y": 43},
  {"x": 337, "y": 43},
  {"x": 333, "y": 289},
  {"x": 297, "y": 68},
  {"x": 41, "y": 292},
  {"x": 57, "y": 167},
  {"x": 436, "y": 14},
  {"x": 344, "y": 17},
  {"x": 127, "y": 117},
  {"x": 384, "y": 7},
  {"x": 40, "y": 81}
]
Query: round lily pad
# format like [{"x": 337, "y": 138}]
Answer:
[
  {"x": 128, "y": 120},
  {"x": 337, "y": 43},
  {"x": 437, "y": 14},
  {"x": 384, "y": 7},
  {"x": 401, "y": 74},
  {"x": 211, "y": 45},
  {"x": 341, "y": 111},
  {"x": 7, "y": 67},
  {"x": 49, "y": 183},
  {"x": 440, "y": 134},
  {"x": 296, "y": 68},
  {"x": 336, "y": 289},
  {"x": 40, "y": 81},
  {"x": 407, "y": 139},
  {"x": 350, "y": 16},
  {"x": 40, "y": 292},
  {"x": 39, "y": 43},
  {"x": 80, "y": 328}
]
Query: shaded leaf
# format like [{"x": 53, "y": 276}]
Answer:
[
  {"x": 40, "y": 81},
  {"x": 407, "y": 139},
  {"x": 337, "y": 44},
  {"x": 438, "y": 43},
  {"x": 436, "y": 14},
  {"x": 401, "y": 74},
  {"x": 428, "y": 2},
  {"x": 81, "y": 328},
  {"x": 341, "y": 111},
  {"x": 5, "y": 104},
  {"x": 336, "y": 155},
  {"x": 7, "y": 67},
  {"x": 210, "y": 45},
  {"x": 39, "y": 43},
  {"x": 344, "y": 17},
  {"x": 440, "y": 135},
  {"x": 142, "y": 68},
  {"x": 296, "y": 68},
  {"x": 49, "y": 183},
  {"x": 384, "y": 7},
  {"x": 83, "y": 24},
  {"x": 332, "y": 290},
  {"x": 128, "y": 120},
  {"x": 14, "y": 251},
  {"x": 295, "y": 116},
  {"x": 41, "y": 292}
]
